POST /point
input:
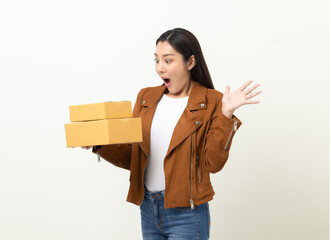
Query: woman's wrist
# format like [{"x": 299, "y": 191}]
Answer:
[{"x": 228, "y": 114}]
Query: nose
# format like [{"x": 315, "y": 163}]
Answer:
[{"x": 159, "y": 67}]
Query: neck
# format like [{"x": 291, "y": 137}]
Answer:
[{"x": 182, "y": 93}]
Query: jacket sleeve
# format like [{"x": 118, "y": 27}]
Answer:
[
  {"x": 219, "y": 138},
  {"x": 118, "y": 154}
]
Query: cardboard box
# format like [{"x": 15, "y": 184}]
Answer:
[
  {"x": 97, "y": 111},
  {"x": 103, "y": 132}
]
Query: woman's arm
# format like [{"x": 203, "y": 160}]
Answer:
[
  {"x": 224, "y": 125},
  {"x": 117, "y": 154},
  {"x": 219, "y": 138}
]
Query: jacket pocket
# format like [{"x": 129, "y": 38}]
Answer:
[
  {"x": 197, "y": 162},
  {"x": 199, "y": 177}
]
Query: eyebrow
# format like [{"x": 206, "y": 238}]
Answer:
[{"x": 165, "y": 55}]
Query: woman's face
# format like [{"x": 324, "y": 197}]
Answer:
[{"x": 175, "y": 73}]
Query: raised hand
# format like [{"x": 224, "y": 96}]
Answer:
[{"x": 233, "y": 100}]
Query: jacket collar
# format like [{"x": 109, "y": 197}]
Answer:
[{"x": 196, "y": 100}]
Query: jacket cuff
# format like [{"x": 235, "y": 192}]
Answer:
[
  {"x": 229, "y": 121},
  {"x": 96, "y": 148}
]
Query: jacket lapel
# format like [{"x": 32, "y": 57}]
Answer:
[
  {"x": 149, "y": 102},
  {"x": 189, "y": 122}
]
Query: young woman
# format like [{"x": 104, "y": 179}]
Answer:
[{"x": 187, "y": 133}]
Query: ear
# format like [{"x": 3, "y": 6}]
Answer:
[{"x": 191, "y": 62}]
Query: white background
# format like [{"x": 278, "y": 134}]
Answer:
[{"x": 59, "y": 53}]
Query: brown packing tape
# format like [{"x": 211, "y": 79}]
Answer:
[
  {"x": 98, "y": 111},
  {"x": 103, "y": 132}
]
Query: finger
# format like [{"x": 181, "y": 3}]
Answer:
[
  {"x": 227, "y": 89},
  {"x": 252, "y": 102},
  {"x": 251, "y": 89},
  {"x": 242, "y": 88},
  {"x": 253, "y": 94}
]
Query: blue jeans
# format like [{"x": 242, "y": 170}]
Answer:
[{"x": 182, "y": 223}]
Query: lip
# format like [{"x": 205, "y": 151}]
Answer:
[{"x": 167, "y": 84}]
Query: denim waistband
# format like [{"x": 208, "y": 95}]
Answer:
[{"x": 152, "y": 194}]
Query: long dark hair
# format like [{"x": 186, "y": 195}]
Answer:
[{"x": 187, "y": 44}]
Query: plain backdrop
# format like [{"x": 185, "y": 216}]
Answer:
[{"x": 59, "y": 53}]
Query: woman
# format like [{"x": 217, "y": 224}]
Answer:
[{"x": 187, "y": 133}]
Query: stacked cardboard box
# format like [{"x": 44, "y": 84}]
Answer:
[{"x": 102, "y": 124}]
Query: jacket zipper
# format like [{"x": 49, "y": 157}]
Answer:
[
  {"x": 144, "y": 152},
  {"x": 191, "y": 155},
  {"x": 146, "y": 161},
  {"x": 234, "y": 129},
  {"x": 191, "y": 200},
  {"x": 142, "y": 149}
]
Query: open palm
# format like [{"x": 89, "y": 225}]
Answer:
[{"x": 241, "y": 96}]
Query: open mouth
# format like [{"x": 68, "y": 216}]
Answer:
[{"x": 166, "y": 82}]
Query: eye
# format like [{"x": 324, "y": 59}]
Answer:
[
  {"x": 168, "y": 61},
  {"x": 156, "y": 60}
]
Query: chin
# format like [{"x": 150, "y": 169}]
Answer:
[{"x": 171, "y": 91}]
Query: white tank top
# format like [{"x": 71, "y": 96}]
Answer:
[{"x": 167, "y": 114}]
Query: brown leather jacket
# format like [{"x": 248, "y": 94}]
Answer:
[{"x": 199, "y": 146}]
